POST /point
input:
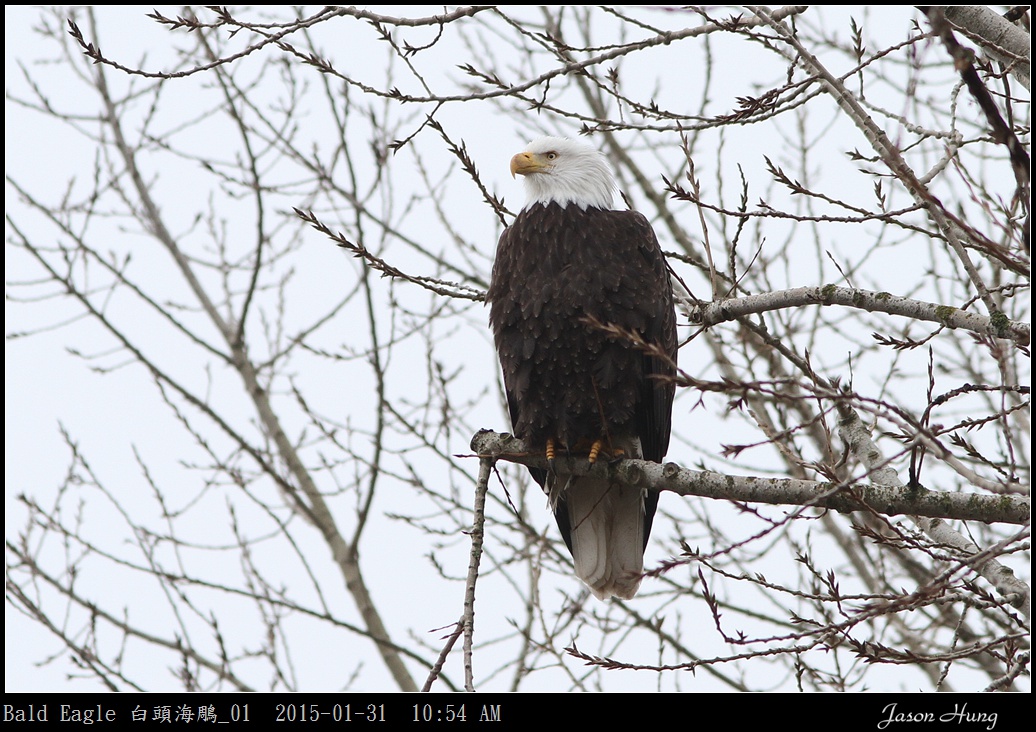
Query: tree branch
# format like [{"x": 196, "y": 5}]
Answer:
[
  {"x": 881, "y": 302},
  {"x": 888, "y": 500}
]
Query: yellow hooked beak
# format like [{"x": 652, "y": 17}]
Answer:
[{"x": 525, "y": 163}]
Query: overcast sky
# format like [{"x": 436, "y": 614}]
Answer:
[{"x": 48, "y": 389}]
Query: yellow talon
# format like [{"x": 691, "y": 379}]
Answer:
[{"x": 595, "y": 450}]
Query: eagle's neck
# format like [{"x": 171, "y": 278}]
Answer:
[{"x": 591, "y": 187}]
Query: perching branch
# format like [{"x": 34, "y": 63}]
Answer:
[{"x": 888, "y": 500}]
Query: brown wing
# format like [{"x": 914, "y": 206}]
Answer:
[{"x": 564, "y": 378}]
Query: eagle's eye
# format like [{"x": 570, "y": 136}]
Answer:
[{"x": 552, "y": 156}]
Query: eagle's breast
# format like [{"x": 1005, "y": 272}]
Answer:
[{"x": 561, "y": 273}]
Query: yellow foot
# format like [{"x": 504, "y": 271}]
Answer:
[
  {"x": 550, "y": 455},
  {"x": 597, "y": 448}
]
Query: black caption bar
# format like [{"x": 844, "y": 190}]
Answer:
[
  {"x": 289, "y": 711},
  {"x": 353, "y": 710}
]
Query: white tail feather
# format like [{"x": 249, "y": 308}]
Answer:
[{"x": 607, "y": 535}]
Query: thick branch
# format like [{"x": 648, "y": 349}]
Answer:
[
  {"x": 881, "y": 302},
  {"x": 888, "y": 500},
  {"x": 1000, "y": 38}
]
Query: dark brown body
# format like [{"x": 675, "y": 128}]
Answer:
[{"x": 557, "y": 268}]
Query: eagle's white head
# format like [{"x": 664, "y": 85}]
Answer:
[{"x": 564, "y": 171}]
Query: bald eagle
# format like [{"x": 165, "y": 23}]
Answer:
[{"x": 567, "y": 264}]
